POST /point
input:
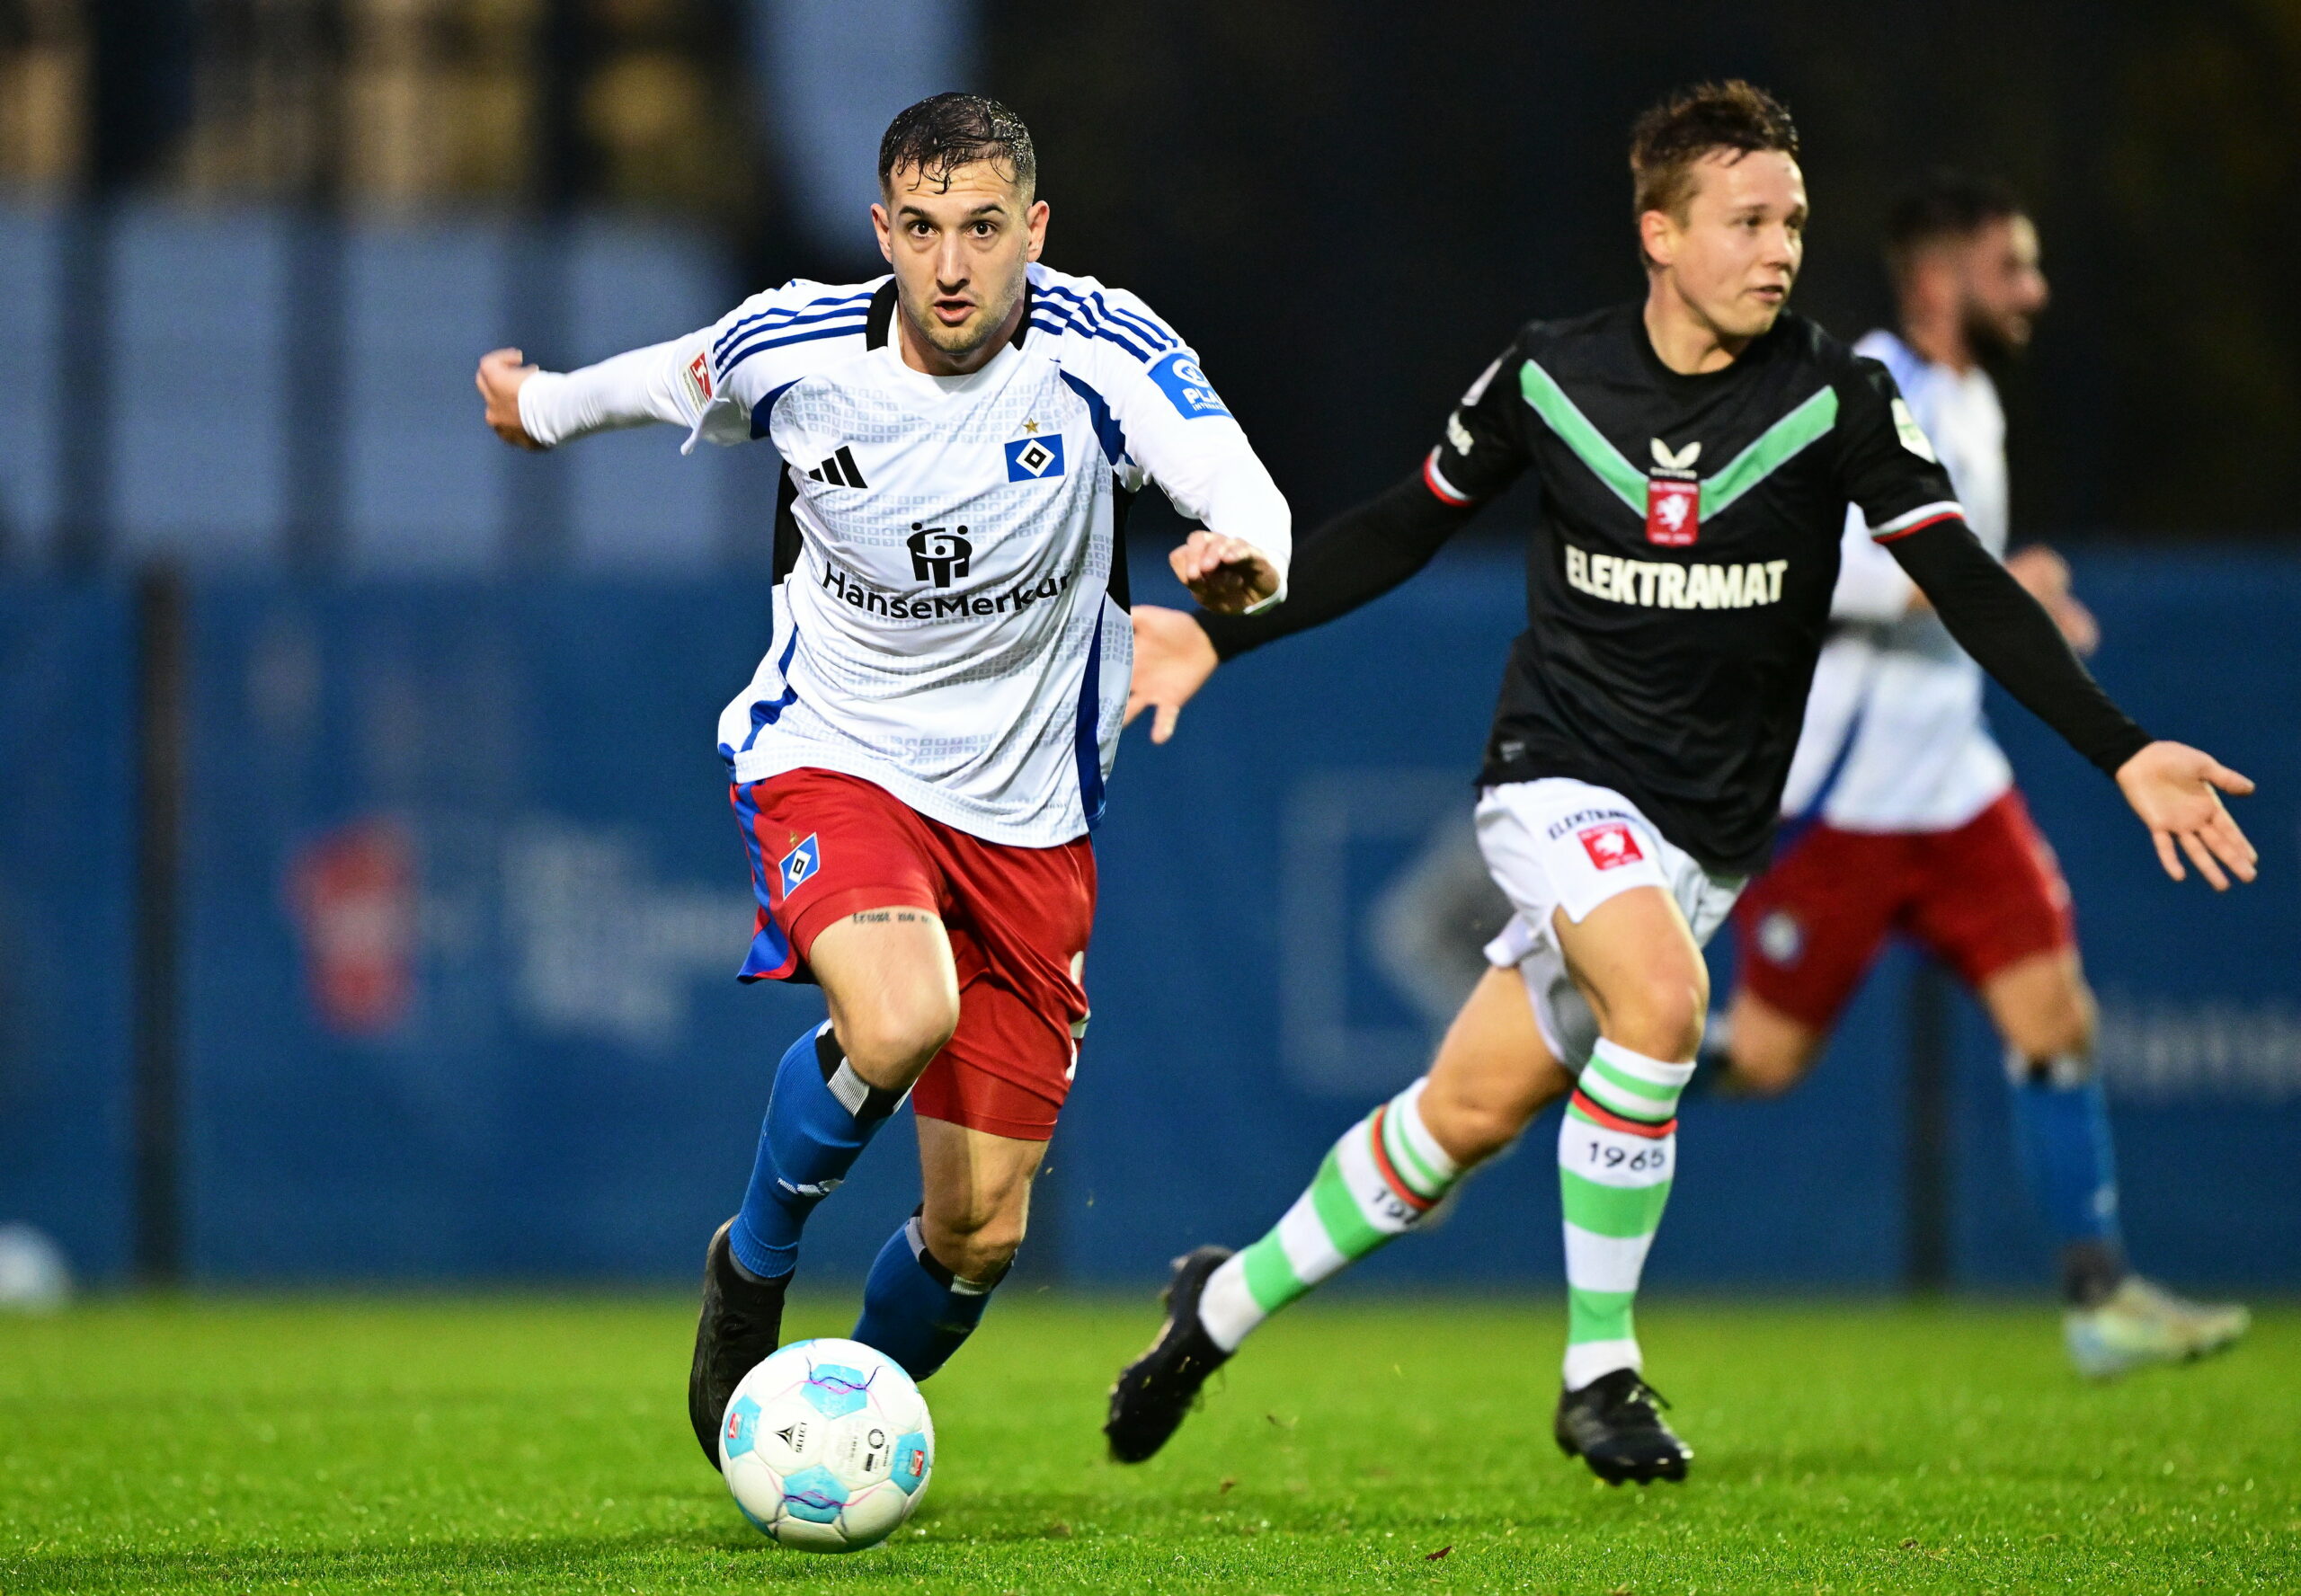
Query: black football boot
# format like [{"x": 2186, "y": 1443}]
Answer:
[
  {"x": 740, "y": 1323},
  {"x": 1157, "y": 1389},
  {"x": 1611, "y": 1425}
]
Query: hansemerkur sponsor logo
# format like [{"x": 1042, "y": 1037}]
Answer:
[{"x": 859, "y": 595}]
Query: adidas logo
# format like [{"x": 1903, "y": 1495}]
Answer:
[{"x": 840, "y": 470}]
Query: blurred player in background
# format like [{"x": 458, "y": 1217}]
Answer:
[
  {"x": 917, "y": 763},
  {"x": 1901, "y": 813},
  {"x": 1696, "y": 452}
]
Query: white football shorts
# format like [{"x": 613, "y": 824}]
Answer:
[{"x": 1558, "y": 844}]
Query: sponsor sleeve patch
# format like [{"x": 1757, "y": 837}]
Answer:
[
  {"x": 1913, "y": 436},
  {"x": 699, "y": 380},
  {"x": 1186, "y": 388}
]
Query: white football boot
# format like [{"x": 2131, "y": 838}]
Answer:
[{"x": 2143, "y": 1323}]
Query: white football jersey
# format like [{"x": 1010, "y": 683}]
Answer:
[
  {"x": 1895, "y": 739},
  {"x": 950, "y": 610}
]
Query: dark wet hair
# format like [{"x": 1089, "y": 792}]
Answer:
[
  {"x": 1945, "y": 204},
  {"x": 945, "y": 132}
]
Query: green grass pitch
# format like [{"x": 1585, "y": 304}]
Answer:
[{"x": 540, "y": 1444}]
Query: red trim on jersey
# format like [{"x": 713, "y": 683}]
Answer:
[
  {"x": 1431, "y": 479},
  {"x": 1946, "y": 515},
  {"x": 1604, "y": 1116},
  {"x": 1399, "y": 1188}
]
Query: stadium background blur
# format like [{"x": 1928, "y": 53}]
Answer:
[{"x": 367, "y": 906}]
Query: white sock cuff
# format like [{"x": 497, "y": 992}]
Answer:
[
  {"x": 1593, "y": 1360},
  {"x": 1406, "y": 1109},
  {"x": 2063, "y": 1072},
  {"x": 1227, "y": 1309},
  {"x": 1654, "y": 1072}
]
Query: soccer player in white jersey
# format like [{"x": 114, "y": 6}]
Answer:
[
  {"x": 917, "y": 764},
  {"x": 1902, "y": 814}
]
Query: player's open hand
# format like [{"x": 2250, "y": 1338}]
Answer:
[
  {"x": 1226, "y": 574},
  {"x": 502, "y": 374},
  {"x": 1172, "y": 661},
  {"x": 2172, "y": 787}
]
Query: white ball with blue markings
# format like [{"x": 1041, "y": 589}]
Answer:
[{"x": 827, "y": 1446}]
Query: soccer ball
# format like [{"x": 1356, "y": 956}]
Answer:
[{"x": 827, "y": 1446}]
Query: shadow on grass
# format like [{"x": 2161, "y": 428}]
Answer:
[
  {"x": 673, "y": 1559},
  {"x": 702, "y": 1557}
]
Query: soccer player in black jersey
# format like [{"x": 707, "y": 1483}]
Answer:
[{"x": 1696, "y": 453}]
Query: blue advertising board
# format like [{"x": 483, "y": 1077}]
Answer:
[
  {"x": 465, "y": 903},
  {"x": 67, "y": 841}
]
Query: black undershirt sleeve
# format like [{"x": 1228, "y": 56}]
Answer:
[
  {"x": 2010, "y": 635},
  {"x": 1352, "y": 560}
]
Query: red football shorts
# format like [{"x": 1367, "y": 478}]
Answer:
[
  {"x": 1978, "y": 898},
  {"x": 824, "y": 845}
]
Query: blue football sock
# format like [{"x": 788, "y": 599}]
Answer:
[
  {"x": 819, "y": 1119},
  {"x": 915, "y": 1310},
  {"x": 2062, "y": 1120}
]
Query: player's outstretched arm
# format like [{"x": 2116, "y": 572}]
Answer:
[
  {"x": 533, "y": 409},
  {"x": 1352, "y": 560},
  {"x": 2176, "y": 790}
]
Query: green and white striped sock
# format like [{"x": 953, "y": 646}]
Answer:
[
  {"x": 1617, "y": 1151},
  {"x": 1378, "y": 1181}
]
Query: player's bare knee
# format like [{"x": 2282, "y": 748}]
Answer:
[
  {"x": 1768, "y": 1071},
  {"x": 1473, "y": 1129},
  {"x": 1661, "y": 1015},
  {"x": 891, "y": 1041},
  {"x": 2059, "y": 1027},
  {"x": 975, "y": 1246}
]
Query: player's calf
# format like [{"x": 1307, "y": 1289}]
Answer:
[
  {"x": 917, "y": 1309},
  {"x": 933, "y": 1279},
  {"x": 819, "y": 1117},
  {"x": 822, "y": 1115}
]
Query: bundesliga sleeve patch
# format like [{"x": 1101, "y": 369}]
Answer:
[
  {"x": 1913, "y": 436},
  {"x": 1186, "y": 388}
]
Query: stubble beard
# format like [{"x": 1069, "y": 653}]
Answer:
[
  {"x": 968, "y": 338},
  {"x": 1992, "y": 344}
]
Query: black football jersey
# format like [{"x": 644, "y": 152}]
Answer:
[{"x": 1684, "y": 551}]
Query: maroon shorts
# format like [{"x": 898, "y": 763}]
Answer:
[
  {"x": 1978, "y": 898},
  {"x": 824, "y": 845}
]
